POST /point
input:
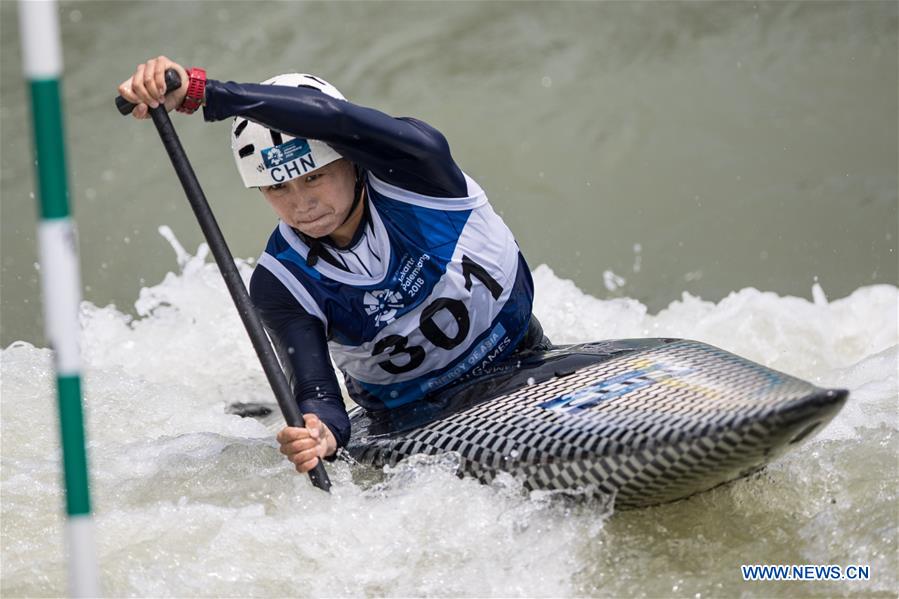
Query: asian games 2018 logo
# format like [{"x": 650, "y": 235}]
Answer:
[
  {"x": 289, "y": 151},
  {"x": 275, "y": 156},
  {"x": 383, "y": 305}
]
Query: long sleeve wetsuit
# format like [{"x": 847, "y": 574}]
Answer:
[{"x": 402, "y": 152}]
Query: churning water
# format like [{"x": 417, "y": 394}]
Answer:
[{"x": 191, "y": 501}]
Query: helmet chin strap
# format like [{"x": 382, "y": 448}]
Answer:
[
  {"x": 314, "y": 243},
  {"x": 357, "y": 194}
]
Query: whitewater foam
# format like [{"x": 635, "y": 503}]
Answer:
[{"x": 193, "y": 501}]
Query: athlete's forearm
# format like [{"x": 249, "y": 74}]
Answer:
[
  {"x": 304, "y": 355},
  {"x": 402, "y": 151},
  {"x": 302, "y": 347}
]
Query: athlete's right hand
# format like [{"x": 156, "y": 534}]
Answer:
[
  {"x": 146, "y": 87},
  {"x": 305, "y": 446}
]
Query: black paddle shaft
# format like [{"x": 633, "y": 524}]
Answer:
[{"x": 225, "y": 261}]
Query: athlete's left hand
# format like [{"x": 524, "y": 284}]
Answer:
[
  {"x": 304, "y": 446},
  {"x": 146, "y": 87}
]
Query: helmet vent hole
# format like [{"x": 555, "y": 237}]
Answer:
[
  {"x": 276, "y": 137},
  {"x": 240, "y": 127},
  {"x": 246, "y": 150}
]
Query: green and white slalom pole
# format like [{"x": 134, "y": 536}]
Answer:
[{"x": 60, "y": 278}]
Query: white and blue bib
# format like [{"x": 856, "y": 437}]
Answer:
[{"x": 435, "y": 289}]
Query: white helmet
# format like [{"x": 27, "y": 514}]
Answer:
[{"x": 265, "y": 156}]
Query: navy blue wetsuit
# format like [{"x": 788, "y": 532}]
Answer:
[{"x": 418, "y": 198}]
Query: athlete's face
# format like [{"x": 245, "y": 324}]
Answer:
[{"x": 318, "y": 202}]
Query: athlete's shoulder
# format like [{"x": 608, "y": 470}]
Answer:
[
  {"x": 276, "y": 243},
  {"x": 266, "y": 289},
  {"x": 468, "y": 197},
  {"x": 282, "y": 279}
]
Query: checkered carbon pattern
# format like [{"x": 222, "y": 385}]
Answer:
[{"x": 708, "y": 417}]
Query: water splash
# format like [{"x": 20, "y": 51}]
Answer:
[{"x": 191, "y": 500}]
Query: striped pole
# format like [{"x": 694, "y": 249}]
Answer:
[{"x": 60, "y": 279}]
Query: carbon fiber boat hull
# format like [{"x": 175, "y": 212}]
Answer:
[{"x": 645, "y": 421}]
